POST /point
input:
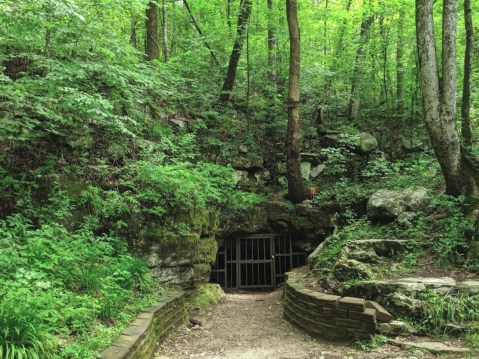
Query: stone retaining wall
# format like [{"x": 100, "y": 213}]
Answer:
[
  {"x": 152, "y": 325},
  {"x": 329, "y": 316}
]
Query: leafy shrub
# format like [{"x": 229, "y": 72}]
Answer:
[
  {"x": 438, "y": 310},
  {"x": 22, "y": 333},
  {"x": 66, "y": 284}
]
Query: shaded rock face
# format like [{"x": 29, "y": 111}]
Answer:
[
  {"x": 307, "y": 224},
  {"x": 367, "y": 143},
  {"x": 183, "y": 260},
  {"x": 402, "y": 293},
  {"x": 362, "y": 143},
  {"x": 179, "y": 259},
  {"x": 250, "y": 172},
  {"x": 386, "y": 205},
  {"x": 361, "y": 258}
]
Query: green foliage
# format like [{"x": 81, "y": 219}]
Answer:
[
  {"x": 440, "y": 309},
  {"x": 67, "y": 284},
  {"x": 207, "y": 294},
  {"x": 22, "y": 333},
  {"x": 356, "y": 229},
  {"x": 375, "y": 342},
  {"x": 452, "y": 227}
]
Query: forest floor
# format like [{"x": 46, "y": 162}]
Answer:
[{"x": 251, "y": 326}]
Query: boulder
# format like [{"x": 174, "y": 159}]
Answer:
[
  {"x": 410, "y": 285},
  {"x": 241, "y": 178},
  {"x": 401, "y": 304},
  {"x": 387, "y": 205},
  {"x": 396, "y": 327},
  {"x": 317, "y": 170},
  {"x": 247, "y": 162},
  {"x": 348, "y": 269},
  {"x": 379, "y": 247},
  {"x": 262, "y": 177},
  {"x": 367, "y": 143},
  {"x": 469, "y": 286},
  {"x": 406, "y": 219},
  {"x": 306, "y": 170},
  {"x": 410, "y": 145}
]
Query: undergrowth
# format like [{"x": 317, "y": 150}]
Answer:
[{"x": 65, "y": 293}]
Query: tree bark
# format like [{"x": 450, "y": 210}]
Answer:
[
  {"x": 133, "y": 39},
  {"x": 166, "y": 49},
  {"x": 439, "y": 97},
  {"x": 152, "y": 48},
  {"x": 354, "y": 100},
  {"x": 272, "y": 47},
  {"x": 243, "y": 17},
  {"x": 296, "y": 190},
  {"x": 466, "y": 87},
  {"x": 400, "y": 64},
  {"x": 205, "y": 42}
]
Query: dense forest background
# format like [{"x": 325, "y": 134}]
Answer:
[{"x": 115, "y": 115}]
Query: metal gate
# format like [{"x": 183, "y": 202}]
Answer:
[{"x": 255, "y": 261}]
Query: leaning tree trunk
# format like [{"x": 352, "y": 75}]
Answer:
[
  {"x": 466, "y": 88},
  {"x": 152, "y": 49},
  {"x": 439, "y": 97},
  {"x": 243, "y": 17},
  {"x": 166, "y": 49},
  {"x": 354, "y": 100},
  {"x": 296, "y": 190},
  {"x": 197, "y": 27}
]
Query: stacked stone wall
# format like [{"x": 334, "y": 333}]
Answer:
[
  {"x": 329, "y": 316},
  {"x": 152, "y": 325}
]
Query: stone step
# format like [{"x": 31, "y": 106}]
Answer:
[{"x": 436, "y": 348}]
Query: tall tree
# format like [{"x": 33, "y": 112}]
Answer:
[
  {"x": 272, "y": 46},
  {"x": 296, "y": 190},
  {"x": 400, "y": 62},
  {"x": 466, "y": 87},
  {"x": 439, "y": 97},
  {"x": 166, "y": 49},
  {"x": 152, "y": 49},
  {"x": 243, "y": 18},
  {"x": 354, "y": 100},
  {"x": 133, "y": 40}
]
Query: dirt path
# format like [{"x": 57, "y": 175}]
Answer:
[{"x": 251, "y": 326}]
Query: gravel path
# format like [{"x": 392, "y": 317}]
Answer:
[{"x": 251, "y": 326}]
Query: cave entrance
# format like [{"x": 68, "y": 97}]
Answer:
[{"x": 256, "y": 261}]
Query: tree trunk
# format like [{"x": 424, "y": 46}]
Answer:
[
  {"x": 272, "y": 47},
  {"x": 243, "y": 17},
  {"x": 337, "y": 53},
  {"x": 296, "y": 190},
  {"x": 466, "y": 88},
  {"x": 133, "y": 40},
  {"x": 439, "y": 97},
  {"x": 48, "y": 34},
  {"x": 400, "y": 64},
  {"x": 205, "y": 42},
  {"x": 166, "y": 50},
  {"x": 152, "y": 48},
  {"x": 354, "y": 100}
]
